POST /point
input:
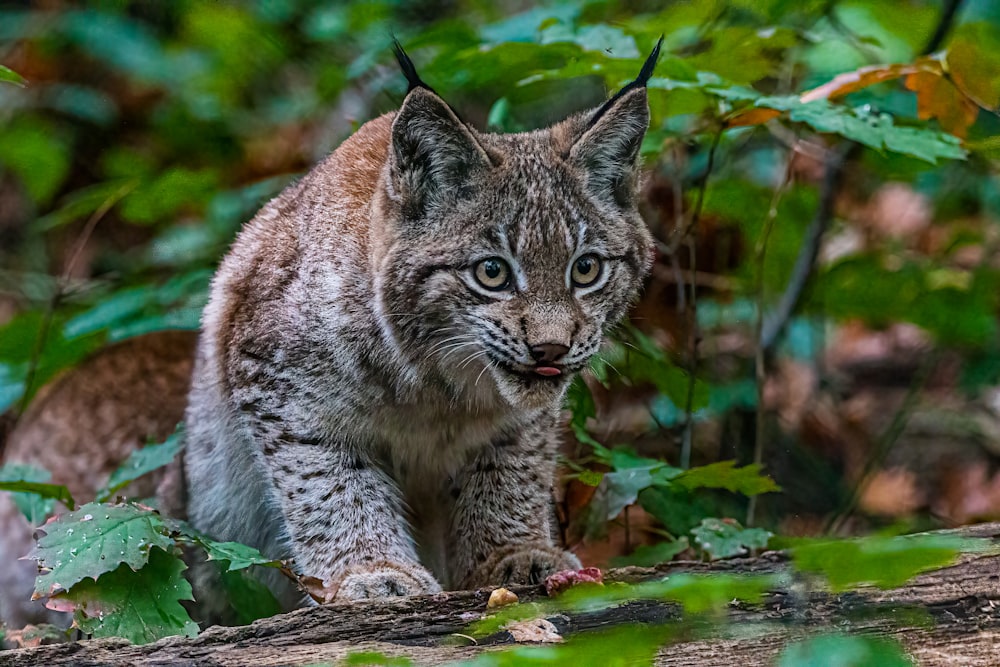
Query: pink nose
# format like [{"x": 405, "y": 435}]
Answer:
[{"x": 548, "y": 353}]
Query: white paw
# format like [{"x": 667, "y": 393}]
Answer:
[{"x": 386, "y": 581}]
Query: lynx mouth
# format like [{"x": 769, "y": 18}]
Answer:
[{"x": 536, "y": 375}]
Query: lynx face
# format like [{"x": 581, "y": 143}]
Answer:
[{"x": 512, "y": 254}]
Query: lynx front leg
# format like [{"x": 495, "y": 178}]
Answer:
[
  {"x": 345, "y": 523},
  {"x": 503, "y": 521}
]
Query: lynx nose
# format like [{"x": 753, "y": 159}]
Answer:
[{"x": 548, "y": 353}]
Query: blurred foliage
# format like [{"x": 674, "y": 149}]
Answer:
[{"x": 136, "y": 138}]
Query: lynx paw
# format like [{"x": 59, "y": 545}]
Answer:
[
  {"x": 386, "y": 580},
  {"x": 525, "y": 565}
]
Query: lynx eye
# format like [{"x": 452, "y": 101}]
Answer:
[
  {"x": 586, "y": 270},
  {"x": 492, "y": 273}
]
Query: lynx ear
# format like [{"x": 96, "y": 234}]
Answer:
[
  {"x": 607, "y": 147},
  {"x": 434, "y": 154}
]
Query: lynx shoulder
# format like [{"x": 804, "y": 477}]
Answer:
[{"x": 388, "y": 343}]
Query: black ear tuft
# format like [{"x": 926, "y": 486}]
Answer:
[
  {"x": 640, "y": 81},
  {"x": 410, "y": 70},
  {"x": 648, "y": 66}
]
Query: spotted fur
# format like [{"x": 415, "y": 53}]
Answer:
[{"x": 360, "y": 402}]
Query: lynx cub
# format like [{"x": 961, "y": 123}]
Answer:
[{"x": 388, "y": 342}]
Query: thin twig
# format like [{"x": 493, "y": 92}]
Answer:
[
  {"x": 885, "y": 442},
  {"x": 760, "y": 370},
  {"x": 776, "y": 321},
  {"x": 692, "y": 309},
  {"x": 60, "y": 291}
]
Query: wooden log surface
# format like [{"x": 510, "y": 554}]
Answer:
[{"x": 949, "y": 617}]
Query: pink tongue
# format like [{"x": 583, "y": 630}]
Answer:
[{"x": 547, "y": 371}]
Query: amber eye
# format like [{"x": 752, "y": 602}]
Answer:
[
  {"x": 493, "y": 273},
  {"x": 586, "y": 270}
]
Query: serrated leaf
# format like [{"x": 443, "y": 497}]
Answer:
[
  {"x": 747, "y": 480},
  {"x": 725, "y": 538},
  {"x": 93, "y": 540},
  {"x": 29, "y": 490},
  {"x": 142, "y": 461},
  {"x": 875, "y": 130},
  {"x": 885, "y": 562},
  {"x": 238, "y": 556},
  {"x": 140, "y": 606}
]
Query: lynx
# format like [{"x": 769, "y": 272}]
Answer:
[{"x": 387, "y": 345}]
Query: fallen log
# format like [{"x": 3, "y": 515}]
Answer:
[{"x": 949, "y": 616}]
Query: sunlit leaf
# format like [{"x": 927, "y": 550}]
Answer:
[{"x": 839, "y": 650}]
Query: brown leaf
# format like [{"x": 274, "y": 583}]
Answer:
[
  {"x": 849, "y": 82},
  {"x": 892, "y": 493},
  {"x": 752, "y": 116},
  {"x": 939, "y": 98}
]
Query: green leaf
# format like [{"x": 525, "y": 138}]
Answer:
[
  {"x": 37, "y": 153},
  {"x": 872, "y": 129},
  {"x": 167, "y": 194},
  {"x": 140, "y": 606},
  {"x": 696, "y": 593},
  {"x": 627, "y": 646},
  {"x": 142, "y": 461},
  {"x": 632, "y": 474},
  {"x": 374, "y": 658},
  {"x": 109, "y": 311},
  {"x": 93, "y": 540},
  {"x": 885, "y": 562},
  {"x": 33, "y": 497},
  {"x": 248, "y": 598},
  {"x": 238, "y": 556},
  {"x": 649, "y": 555},
  {"x": 10, "y": 76},
  {"x": 18, "y": 341},
  {"x": 580, "y": 402},
  {"x": 725, "y": 538},
  {"x": 747, "y": 480},
  {"x": 84, "y": 202},
  {"x": 839, "y": 650}
]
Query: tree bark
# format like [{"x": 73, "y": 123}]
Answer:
[{"x": 945, "y": 617}]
